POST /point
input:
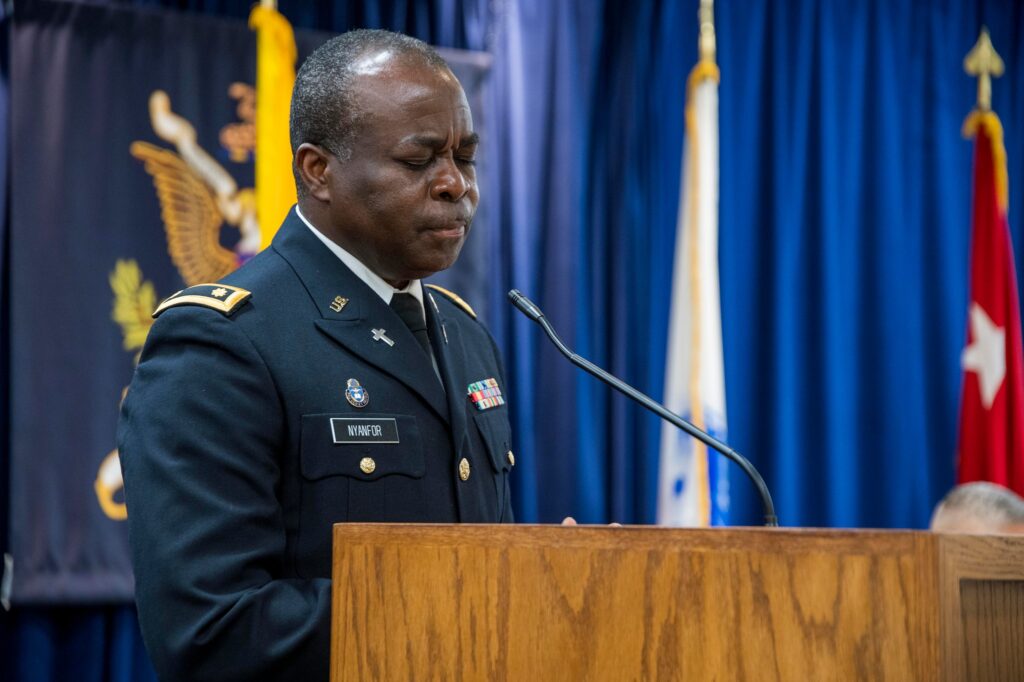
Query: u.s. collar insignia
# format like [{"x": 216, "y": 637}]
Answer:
[
  {"x": 356, "y": 395},
  {"x": 485, "y": 394},
  {"x": 339, "y": 303}
]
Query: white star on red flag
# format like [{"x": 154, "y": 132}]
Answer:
[{"x": 986, "y": 355}]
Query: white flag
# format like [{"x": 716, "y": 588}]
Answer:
[{"x": 693, "y": 488}]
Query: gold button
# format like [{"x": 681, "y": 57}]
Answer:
[
  {"x": 464, "y": 469},
  {"x": 367, "y": 465},
  {"x": 511, "y": 458}
]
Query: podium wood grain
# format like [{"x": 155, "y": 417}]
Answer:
[{"x": 419, "y": 602}]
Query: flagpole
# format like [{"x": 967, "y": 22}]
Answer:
[
  {"x": 706, "y": 15},
  {"x": 983, "y": 61}
]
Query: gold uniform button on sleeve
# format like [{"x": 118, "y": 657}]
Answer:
[
  {"x": 367, "y": 465},
  {"x": 464, "y": 469},
  {"x": 511, "y": 458}
]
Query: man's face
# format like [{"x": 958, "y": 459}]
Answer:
[{"x": 404, "y": 201}]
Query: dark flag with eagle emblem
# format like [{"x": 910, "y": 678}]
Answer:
[{"x": 133, "y": 141}]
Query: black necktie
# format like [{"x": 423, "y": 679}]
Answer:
[{"x": 411, "y": 312}]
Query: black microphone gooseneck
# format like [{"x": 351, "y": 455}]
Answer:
[{"x": 528, "y": 308}]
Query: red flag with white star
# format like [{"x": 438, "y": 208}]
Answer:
[{"x": 991, "y": 444}]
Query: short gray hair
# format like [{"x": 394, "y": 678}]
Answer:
[
  {"x": 322, "y": 109},
  {"x": 984, "y": 504}
]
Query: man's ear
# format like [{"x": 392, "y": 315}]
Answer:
[{"x": 312, "y": 161}]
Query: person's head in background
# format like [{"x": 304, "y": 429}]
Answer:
[{"x": 979, "y": 508}]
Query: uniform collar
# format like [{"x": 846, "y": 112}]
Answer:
[
  {"x": 359, "y": 269},
  {"x": 354, "y": 315}
]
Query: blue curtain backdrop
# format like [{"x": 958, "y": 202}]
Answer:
[
  {"x": 845, "y": 230},
  {"x": 844, "y": 248}
]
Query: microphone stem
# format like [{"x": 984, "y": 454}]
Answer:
[{"x": 766, "y": 499}]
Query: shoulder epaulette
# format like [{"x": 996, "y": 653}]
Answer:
[
  {"x": 454, "y": 298},
  {"x": 221, "y": 297}
]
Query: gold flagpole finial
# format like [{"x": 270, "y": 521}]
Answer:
[
  {"x": 270, "y": 4},
  {"x": 983, "y": 61},
  {"x": 706, "y": 14}
]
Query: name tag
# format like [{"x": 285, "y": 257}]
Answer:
[{"x": 359, "y": 430}]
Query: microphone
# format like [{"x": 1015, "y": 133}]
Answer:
[{"x": 530, "y": 309}]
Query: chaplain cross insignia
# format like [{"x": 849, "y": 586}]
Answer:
[{"x": 379, "y": 335}]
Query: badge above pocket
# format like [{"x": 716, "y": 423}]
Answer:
[{"x": 485, "y": 394}]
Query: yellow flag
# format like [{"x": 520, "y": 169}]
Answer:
[{"x": 275, "y": 77}]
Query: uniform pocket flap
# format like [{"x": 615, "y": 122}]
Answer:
[
  {"x": 366, "y": 447},
  {"x": 497, "y": 434}
]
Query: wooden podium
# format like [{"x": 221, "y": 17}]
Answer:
[{"x": 533, "y": 603}]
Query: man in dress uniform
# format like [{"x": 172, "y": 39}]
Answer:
[{"x": 320, "y": 382}]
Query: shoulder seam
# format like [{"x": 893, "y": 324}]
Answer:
[{"x": 454, "y": 298}]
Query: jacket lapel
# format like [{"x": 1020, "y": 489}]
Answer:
[{"x": 350, "y": 312}]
